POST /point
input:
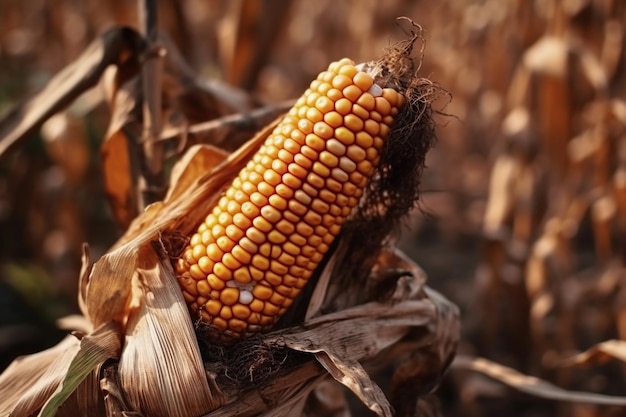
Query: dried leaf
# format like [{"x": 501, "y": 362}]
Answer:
[
  {"x": 532, "y": 385},
  {"x": 599, "y": 354}
]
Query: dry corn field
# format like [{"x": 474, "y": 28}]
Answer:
[{"x": 296, "y": 208}]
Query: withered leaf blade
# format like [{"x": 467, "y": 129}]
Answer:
[
  {"x": 599, "y": 354},
  {"x": 532, "y": 385},
  {"x": 114, "y": 47}
]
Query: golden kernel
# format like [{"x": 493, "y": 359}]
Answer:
[
  {"x": 323, "y": 130},
  {"x": 291, "y": 217},
  {"x": 213, "y": 307},
  {"x": 222, "y": 271},
  {"x": 297, "y": 239},
  {"x": 354, "y": 123},
  {"x": 198, "y": 252},
  {"x": 360, "y": 112},
  {"x": 254, "y": 234},
  {"x": 285, "y": 227},
  {"x": 284, "y": 191},
  {"x": 240, "y": 311},
  {"x": 352, "y": 92},
  {"x": 225, "y": 243},
  {"x": 333, "y": 119},
  {"x": 343, "y": 106},
  {"x": 378, "y": 142},
  {"x": 229, "y": 296},
  {"x": 257, "y": 199},
  {"x": 311, "y": 98},
  {"x": 362, "y": 80},
  {"x": 271, "y": 177},
  {"x": 203, "y": 287},
  {"x": 296, "y": 271},
  {"x": 285, "y": 156},
  {"x": 305, "y": 126},
  {"x": 269, "y": 213},
  {"x": 234, "y": 232},
  {"x": 291, "y": 249},
  {"x": 196, "y": 239},
  {"x": 356, "y": 153},
  {"x": 315, "y": 180},
  {"x": 241, "y": 221},
  {"x": 345, "y": 136},
  {"x": 215, "y": 283},
  {"x": 391, "y": 96},
  {"x": 304, "y": 229},
  {"x": 276, "y": 299},
  {"x": 279, "y": 166},
  {"x": 345, "y": 211},
  {"x": 219, "y": 322},
  {"x": 312, "y": 218},
  {"x": 237, "y": 326},
  {"x": 327, "y": 222},
  {"x": 297, "y": 207},
  {"x": 315, "y": 142},
  {"x": 290, "y": 281},
  {"x": 256, "y": 306},
  {"x": 284, "y": 290},
  {"x": 328, "y": 196},
  {"x": 226, "y": 313},
  {"x": 298, "y": 171},
  {"x": 242, "y": 275},
  {"x": 334, "y": 230},
  {"x": 302, "y": 112},
  {"x": 286, "y": 260},
  {"x": 248, "y": 188},
  {"x": 336, "y": 147},
  {"x": 302, "y": 161},
  {"x": 250, "y": 209},
  {"x": 270, "y": 309},
  {"x": 303, "y": 260},
  {"x": 374, "y": 115},
  {"x": 315, "y": 240},
  {"x": 273, "y": 278},
  {"x": 388, "y": 120},
  {"x": 214, "y": 252},
  {"x": 205, "y": 264},
  {"x": 324, "y": 104},
  {"x": 261, "y": 262},
  {"x": 314, "y": 114},
  {"x": 291, "y": 180},
  {"x": 384, "y": 131},
  {"x": 321, "y": 169},
  {"x": 291, "y": 145},
  {"x": 333, "y": 185},
  {"x": 348, "y": 190},
  {"x": 302, "y": 197},
  {"x": 262, "y": 292},
  {"x": 334, "y": 94},
  {"x": 349, "y": 70},
  {"x": 309, "y": 152},
  {"x": 319, "y": 206},
  {"x": 341, "y": 81},
  {"x": 217, "y": 231},
  {"x": 240, "y": 197},
  {"x": 324, "y": 88},
  {"x": 256, "y": 274}
]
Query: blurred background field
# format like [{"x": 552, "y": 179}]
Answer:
[{"x": 523, "y": 215}]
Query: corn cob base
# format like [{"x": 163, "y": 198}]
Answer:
[{"x": 269, "y": 231}]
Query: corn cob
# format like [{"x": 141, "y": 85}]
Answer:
[{"x": 265, "y": 237}]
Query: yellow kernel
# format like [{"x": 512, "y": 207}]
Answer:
[
  {"x": 277, "y": 299},
  {"x": 309, "y": 152},
  {"x": 339, "y": 174},
  {"x": 266, "y": 161},
  {"x": 302, "y": 112},
  {"x": 285, "y": 227},
  {"x": 365, "y": 167},
  {"x": 284, "y": 191},
  {"x": 334, "y": 210},
  {"x": 211, "y": 220},
  {"x": 309, "y": 190},
  {"x": 261, "y": 262},
  {"x": 323, "y": 130},
  {"x": 333, "y": 185},
  {"x": 334, "y": 230},
  {"x": 298, "y": 171},
  {"x": 297, "y": 239},
  {"x": 315, "y": 142},
  {"x": 291, "y": 180},
  {"x": 284, "y": 290},
  {"x": 248, "y": 188},
  {"x": 291, "y": 145},
  {"x": 261, "y": 225},
  {"x": 241, "y": 221},
  {"x": 334, "y": 94},
  {"x": 358, "y": 179},
  {"x": 285, "y": 156},
  {"x": 360, "y": 112},
  {"x": 383, "y": 106},
  {"x": 327, "y": 222},
  {"x": 198, "y": 252},
  {"x": 362, "y": 80},
  {"x": 234, "y": 232},
  {"x": 290, "y": 281},
  {"x": 256, "y": 273},
  {"x": 277, "y": 202},
  {"x": 196, "y": 239},
  {"x": 213, "y": 307},
  {"x": 352, "y": 122},
  {"x": 205, "y": 264},
  {"x": 240, "y": 197},
  {"x": 328, "y": 196},
  {"x": 321, "y": 169},
  {"x": 315, "y": 241},
  {"x": 333, "y": 119},
  {"x": 344, "y": 136},
  {"x": 356, "y": 153},
  {"x": 229, "y": 296},
  {"x": 270, "y": 309},
  {"x": 349, "y": 70},
  {"x": 372, "y": 153},
  {"x": 311, "y": 98},
  {"x": 218, "y": 230},
  {"x": 203, "y": 287},
  {"x": 314, "y": 114},
  {"x": 388, "y": 120},
  {"x": 291, "y": 217},
  {"x": 222, "y": 272},
  {"x": 242, "y": 275},
  {"x": 262, "y": 292},
  {"x": 302, "y": 197},
  {"x": 365, "y": 139},
  {"x": 271, "y": 177},
  {"x": 328, "y": 76},
  {"x": 348, "y": 190},
  {"x": 307, "y": 252},
  {"x": 291, "y": 249},
  {"x": 237, "y": 326},
  {"x": 257, "y": 199},
  {"x": 226, "y": 313},
  {"x": 240, "y": 311},
  {"x": 343, "y": 106},
  {"x": 214, "y": 252},
  {"x": 352, "y": 92},
  {"x": 270, "y": 214},
  {"x": 214, "y": 282},
  {"x": 256, "y": 306},
  {"x": 250, "y": 209},
  {"x": 341, "y": 81},
  {"x": 279, "y": 167},
  {"x": 297, "y": 207},
  {"x": 219, "y": 322},
  {"x": 319, "y": 206},
  {"x": 305, "y": 126},
  {"x": 296, "y": 271},
  {"x": 315, "y": 180},
  {"x": 328, "y": 159},
  {"x": 302, "y": 161},
  {"x": 384, "y": 131},
  {"x": 225, "y": 243},
  {"x": 391, "y": 96},
  {"x": 304, "y": 229},
  {"x": 276, "y": 237},
  {"x": 324, "y": 104},
  {"x": 273, "y": 278},
  {"x": 223, "y": 202},
  {"x": 324, "y": 88},
  {"x": 374, "y": 115},
  {"x": 312, "y": 218},
  {"x": 255, "y": 235}
]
